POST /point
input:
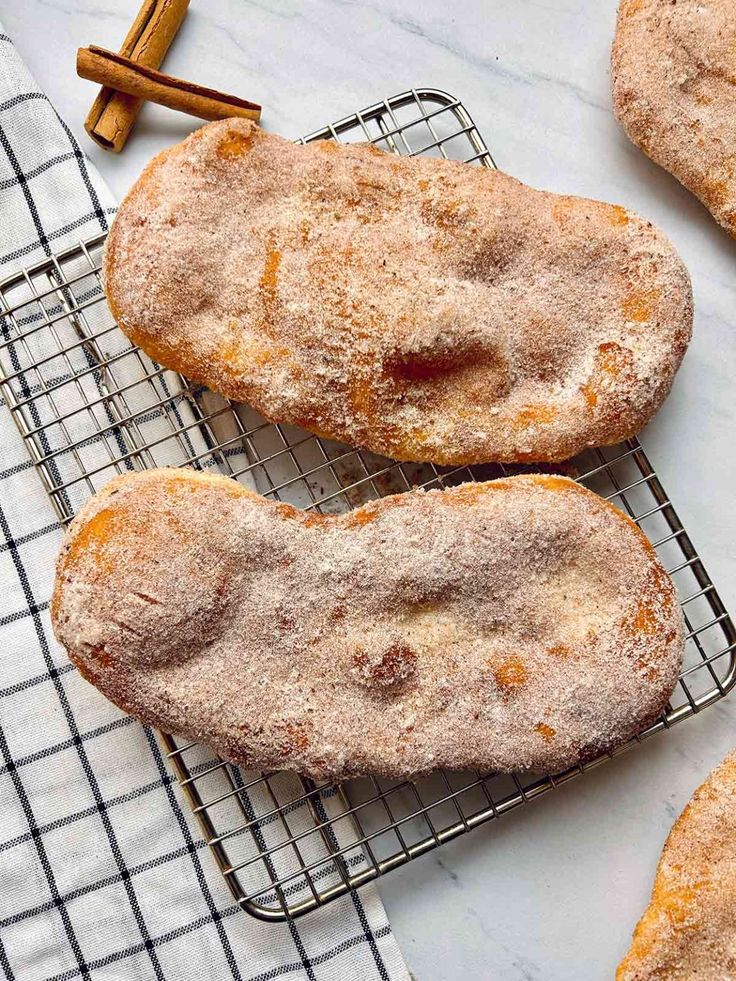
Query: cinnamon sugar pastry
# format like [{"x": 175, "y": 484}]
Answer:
[
  {"x": 425, "y": 309},
  {"x": 514, "y": 624},
  {"x": 689, "y": 929},
  {"x": 674, "y": 93}
]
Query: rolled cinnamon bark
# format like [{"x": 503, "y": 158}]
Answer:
[
  {"x": 113, "y": 113},
  {"x": 125, "y": 75}
]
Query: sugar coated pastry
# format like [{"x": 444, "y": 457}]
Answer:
[
  {"x": 520, "y": 623},
  {"x": 689, "y": 929},
  {"x": 423, "y": 308},
  {"x": 674, "y": 79}
]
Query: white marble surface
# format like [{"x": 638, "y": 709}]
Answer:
[{"x": 552, "y": 891}]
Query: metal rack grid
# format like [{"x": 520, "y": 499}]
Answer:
[{"x": 88, "y": 405}]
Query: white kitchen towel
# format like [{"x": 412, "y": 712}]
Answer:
[{"x": 104, "y": 872}]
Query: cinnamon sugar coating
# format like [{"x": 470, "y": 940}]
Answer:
[
  {"x": 689, "y": 929},
  {"x": 521, "y": 623},
  {"x": 674, "y": 80},
  {"x": 422, "y": 308}
]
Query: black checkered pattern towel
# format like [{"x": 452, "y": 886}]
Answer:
[{"x": 104, "y": 873}]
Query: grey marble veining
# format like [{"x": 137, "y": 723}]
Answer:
[{"x": 550, "y": 892}]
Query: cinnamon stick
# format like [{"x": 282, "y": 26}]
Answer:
[
  {"x": 120, "y": 73},
  {"x": 113, "y": 113}
]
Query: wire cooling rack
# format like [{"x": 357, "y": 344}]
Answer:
[{"x": 90, "y": 405}]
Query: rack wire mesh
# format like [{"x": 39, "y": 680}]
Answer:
[{"x": 89, "y": 405}]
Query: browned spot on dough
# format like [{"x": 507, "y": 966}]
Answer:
[
  {"x": 467, "y": 494},
  {"x": 589, "y": 394},
  {"x": 510, "y": 675},
  {"x": 546, "y": 732},
  {"x": 106, "y": 526},
  {"x": 299, "y": 740},
  {"x": 562, "y": 208},
  {"x": 531, "y": 415},
  {"x": 677, "y": 904},
  {"x": 97, "y": 531},
  {"x": 397, "y": 663},
  {"x": 417, "y": 438},
  {"x": 618, "y": 215},
  {"x": 646, "y": 619},
  {"x": 181, "y": 483},
  {"x": 235, "y": 144},
  {"x": 269, "y": 277},
  {"x": 290, "y": 513},
  {"x": 360, "y": 517},
  {"x": 85, "y": 669},
  {"x": 102, "y": 657},
  {"x": 718, "y": 191},
  {"x": 649, "y": 670},
  {"x": 444, "y": 214},
  {"x": 365, "y": 399},
  {"x": 639, "y": 305},
  {"x": 559, "y": 650},
  {"x": 612, "y": 358},
  {"x": 241, "y": 351},
  {"x": 482, "y": 371}
]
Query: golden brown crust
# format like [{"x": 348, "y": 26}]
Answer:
[
  {"x": 522, "y": 623},
  {"x": 423, "y": 308},
  {"x": 689, "y": 930},
  {"x": 673, "y": 92}
]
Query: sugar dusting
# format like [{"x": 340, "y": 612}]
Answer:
[
  {"x": 673, "y": 92},
  {"x": 423, "y": 308},
  {"x": 688, "y": 930},
  {"x": 522, "y": 623}
]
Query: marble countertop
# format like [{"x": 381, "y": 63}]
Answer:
[{"x": 552, "y": 891}]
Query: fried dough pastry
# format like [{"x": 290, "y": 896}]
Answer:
[
  {"x": 689, "y": 929},
  {"x": 520, "y": 623},
  {"x": 424, "y": 309},
  {"x": 674, "y": 93}
]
